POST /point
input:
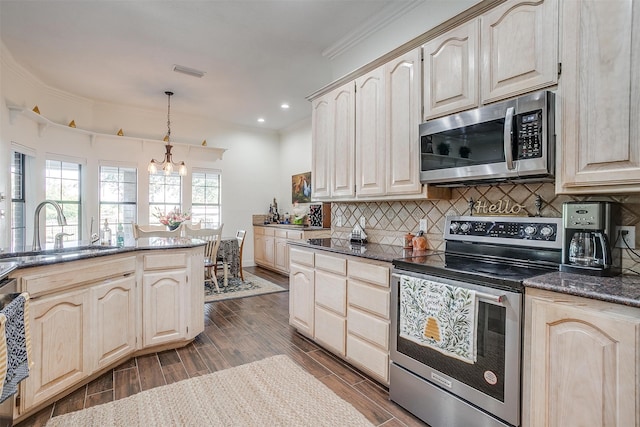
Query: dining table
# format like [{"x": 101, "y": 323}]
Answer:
[{"x": 229, "y": 255}]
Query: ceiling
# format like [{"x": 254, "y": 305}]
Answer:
[{"x": 256, "y": 55}]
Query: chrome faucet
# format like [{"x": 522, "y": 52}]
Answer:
[{"x": 36, "y": 222}]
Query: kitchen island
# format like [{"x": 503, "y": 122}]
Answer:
[{"x": 92, "y": 308}]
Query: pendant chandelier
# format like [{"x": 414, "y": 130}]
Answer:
[{"x": 167, "y": 165}]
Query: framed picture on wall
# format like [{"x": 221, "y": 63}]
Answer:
[{"x": 301, "y": 188}]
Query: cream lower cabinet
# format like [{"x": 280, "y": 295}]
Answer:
[
  {"x": 114, "y": 319},
  {"x": 71, "y": 328},
  {"x": 271, "y": 244},
  {"x": 599, "y": 131},
  {"x": 61, "y": 345},
  {"x": 342, "y": 302},
  {"x": 331, "y": 302},
  {"x": 165, "y": 298},
  {"x": 301, "y": 290},
  {"x": 581, "y": 362}
]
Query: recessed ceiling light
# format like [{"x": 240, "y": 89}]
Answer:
[
  {"x": 260, "y": 120},
  {"x": 285, "y": 106},
  {"x": 188, "y": 71}
]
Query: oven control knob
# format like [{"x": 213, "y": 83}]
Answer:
[
  {"x": 464, "y": 227},
  {"x": 454, "y": 227},
  {"x": 546, "y": 231},
  {"x": 530, "y": 230}
]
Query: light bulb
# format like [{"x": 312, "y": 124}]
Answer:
[
  {"x": 182, "y": 170},
  {"x": 167, "y": 168},
  {"x": 152, "y": 167}
]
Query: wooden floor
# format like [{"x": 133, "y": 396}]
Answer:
[{"x": 236, "y": 332}]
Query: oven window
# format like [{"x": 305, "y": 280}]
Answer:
[{"x": 487, "y": 374}]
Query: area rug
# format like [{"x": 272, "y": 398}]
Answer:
[
  {"x": 270, "y": 392},
  {"x": 237, "y": 288}
]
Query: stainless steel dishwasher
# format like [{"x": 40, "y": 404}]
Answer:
[{"x": 8, "y": 291}]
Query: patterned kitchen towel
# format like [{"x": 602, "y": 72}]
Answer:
[
  {"x": 17, "y": 342},
  {"x": 439, "y": 316}
]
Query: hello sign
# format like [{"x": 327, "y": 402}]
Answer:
[{"x": 501, "y": 207}]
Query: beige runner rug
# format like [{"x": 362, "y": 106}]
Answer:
[
  {"x": 236, "y": 288},
  {"x": 270, "y": 392}
]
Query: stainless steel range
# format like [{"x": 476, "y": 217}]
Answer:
[{"x": 488, "y": 258}]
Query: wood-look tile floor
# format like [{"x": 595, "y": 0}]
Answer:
[{"x": 236, "y": 332}]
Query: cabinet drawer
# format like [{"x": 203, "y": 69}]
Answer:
[
  {"x": 267, "y": 231},
  {"x": 300, "y": 256},
  {"x": 164, "y": 261},
  {"x": 368, "y": 327},
  {"x": 280, "y": 233},
  {"x": 369, "y": 298},
  {"x": 258, "y": 231},
  {"x": 68, "y": 275},
  {"x": 294, "y": 235},
  {"x": 330, "y": 329},
  {"x": 331, "y": 263},
  {"x": 368, "y": 357},
  {"x": 371, "y": 273},
  {"x": 331, "y": 292}
]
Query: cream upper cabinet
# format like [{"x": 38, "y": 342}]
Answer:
[
  {"x": 519, "y": 48},
  {"x": 581, "y": 362},
  {"x": 333, "y": 144},
  {"x": 403, "y": 101},
  {"x": 600, "y": 102},
  {"x": 451, "y": 69},
  {"x": 370, "y": 134}
]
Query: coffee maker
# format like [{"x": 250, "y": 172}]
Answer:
[{"x": 588, "y": 238}]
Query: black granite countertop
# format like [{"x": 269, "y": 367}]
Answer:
[
  {"x": 374, "y": 251},
  {"x": 75, "y": 253},
  {"x": 291, "y": 226},
  {"x": 624, "y": 289}
]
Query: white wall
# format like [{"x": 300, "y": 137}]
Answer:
[
  {"x": 250, "y": 166},
  {"x": 295, "y": 158}
]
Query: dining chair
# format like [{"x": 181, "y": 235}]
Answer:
[
  {"x": 240, "y": 236},
  {"x": 141, "y": 231},
  {"x": 212, "y": 236}
]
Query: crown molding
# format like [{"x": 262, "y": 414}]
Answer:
[{"x": 388, "y": 14}]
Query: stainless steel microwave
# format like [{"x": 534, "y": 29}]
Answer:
[{"x": 512, "y": 140}]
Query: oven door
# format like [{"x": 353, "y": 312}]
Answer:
[{"x": 492, "y": 383}]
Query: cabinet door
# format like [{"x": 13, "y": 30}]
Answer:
[
  {"x": 451, "y": 69},
  {"x": 370, "y": 134},
  {"x": 403, "y": 102},
  {"x": 330, "y": 330},
  {"x": 301, "y": 298},
  {"x": 322, "y": 133},
  {"x": 343, "y": 142},
  {"x": 600, "y": 103},
  {"x": 584, "y": 365},
  {"x": 519, "y": 48},
  {"x": 164, "y": 300},
  {"x": 60, "y": 345},
  {"x": 113, "y": 327},
  {"x": 281, "y": 261},
  {"x": 258, "y": 248},
  {"x": 269, "y": 251}
]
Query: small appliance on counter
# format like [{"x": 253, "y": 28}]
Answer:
[
  {"x": 358, "y": 235},
  {"x": 588, "y": 238}
]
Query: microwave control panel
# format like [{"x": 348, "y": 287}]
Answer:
[{"x": 529, "y": 135}]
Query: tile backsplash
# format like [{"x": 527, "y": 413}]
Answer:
[{"x": 388, "y": 222}]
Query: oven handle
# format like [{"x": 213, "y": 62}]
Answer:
[
  {"x": 480, "y": 295},
  {"x": 507, "y": 137}
]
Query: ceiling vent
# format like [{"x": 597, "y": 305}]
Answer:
[{"x": 188, "y": 71}]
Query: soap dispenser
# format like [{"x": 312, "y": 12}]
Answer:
[{"x": 106, "y": 234}]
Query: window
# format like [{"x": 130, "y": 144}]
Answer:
[
  {"x": 164, "y": 194},
  {"x": 18, "y": 219},
  {"x": 62, "y": 181},
  {"x": 118, "y": 196},
  {"x": 205, "y": 198}
]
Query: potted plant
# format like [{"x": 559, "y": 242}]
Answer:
[
  {"x": 443, "y": 149},
  {"x": 464, "y": 151}
]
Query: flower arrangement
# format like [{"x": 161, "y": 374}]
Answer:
[{"x": 172, "y": 219}]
